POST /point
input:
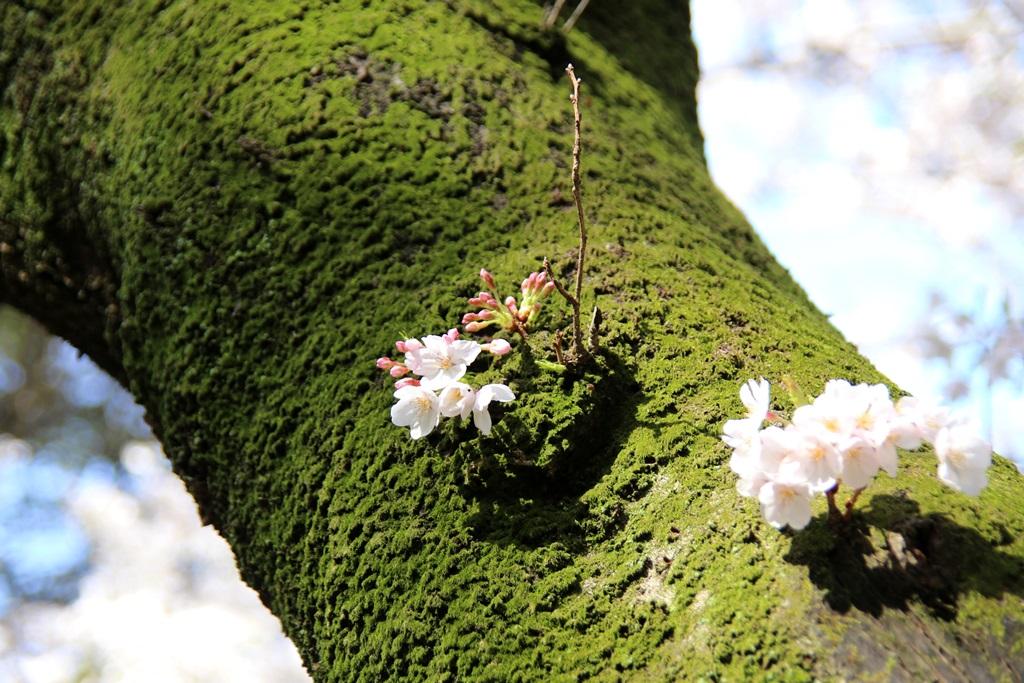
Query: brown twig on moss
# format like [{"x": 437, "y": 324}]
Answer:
[
  {"x": 834, "y": 515},
  {"x": 520, "y": 328},
  {"x": 850, "y": 503},
  {"x": 579, "y": 348},
  {"x": 577, "y": 191},
  {"x": 558, "y": 285},
  {"x": 577, "y": 333},
  {"x": 559, "y": 357}
]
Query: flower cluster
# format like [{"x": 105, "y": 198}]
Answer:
[
  {"x": 440, "y": 361},
  {"x": 508, "y": 315},
  {"x": 845, "y": 436}
]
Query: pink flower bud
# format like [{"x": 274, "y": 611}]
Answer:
[
  {"x": 407, "y": 382},
  {"x": 541, "y": 277},
  {"x": 485, "y": 315},
  {"x": 474, "y": 327},
  {"x": 548, "y": 288},
  {"x": 413, "y": 345},
  {"x": 529, "y": 283},
  {"x": 384, "y": 362},
  {"x": 397, "y": 370},
  {"x": 499, "y": 347},
  {"x": 470, "y": 317},
  {"x": 450, "y": 336},
  {"x": 487, "y": 278},
  {"x": 400, "y": 346}
]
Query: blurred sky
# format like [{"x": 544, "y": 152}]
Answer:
[
  {"x": 823, "y": 120},
  {"x": 106, "y": 574}
]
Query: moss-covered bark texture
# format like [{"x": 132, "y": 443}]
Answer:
[{"x": 235, "y": 207}]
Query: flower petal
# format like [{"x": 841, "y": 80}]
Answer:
[
  {"x": 500, "y": 392},
  {"x": 482, "y": 420},
  {"x": 403, "y": 413}
]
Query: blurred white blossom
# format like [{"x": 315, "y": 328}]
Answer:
[{"x": 162, "y": 601}]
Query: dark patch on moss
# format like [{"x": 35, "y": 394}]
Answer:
[
  {"x": 891, "y": 555},
  {"x": 559, "y": 449},
  {"x": 528, "y": 479},
  {"x": 550, "y": 45},
  {"x": 260, "y": 151}
]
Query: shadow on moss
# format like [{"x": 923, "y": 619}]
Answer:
[
  {"x": 653, "y": 53},
  {"x": 890, "y": 555},
  {"x": 528, "y": 481}
]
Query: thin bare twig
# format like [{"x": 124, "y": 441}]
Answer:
[
  {"x": 552, "y": 17},
  {"x": 520, "y": 328},
  {"x": 850, "y": 503},
  {"x": 834, "y": 515},
  {"x": 558, "y": 348},
  {"x": 577, "y": 350},
  {"x": 574, "y": 17},
  {"x": 558, "y": 285},
  {"x": 578, "y": 198}
]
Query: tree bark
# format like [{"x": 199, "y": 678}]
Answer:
[{"x": 235, "y": 208}]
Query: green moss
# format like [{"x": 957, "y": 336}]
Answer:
[{"x": 281, "y": 191}]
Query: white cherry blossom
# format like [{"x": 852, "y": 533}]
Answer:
[
  {"x": 759, "y": 460},
  {"x": 888, "y": 458},
  {"x": 927, "y": 417},
  {"x": 903, "y": 433},
  {"x": 418, "y": 409},
  {"x": 830, "y": 419},
  {"x": 813, "y": 458},
  {"x": 457, "y": 400},
  {"x": 442, "y": 361},
  {"x": 859, "y": 463},
  {"x": 873, "y": 412},
  {"x": 843, "y": 438},
  {"x": 964, "y": 458},
  {"x": 756, "y": 397},
  {"x": 484, "y": 396},
  {"x": 786, "y": 502},
  {"x": 742, "y": 436},
  {"x": 750, "y": 486}
]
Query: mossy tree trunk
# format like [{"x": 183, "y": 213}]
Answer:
[{"x": 234, "y": 207}]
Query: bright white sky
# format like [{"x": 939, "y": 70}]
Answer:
[{"x": 830, "y": 174}]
